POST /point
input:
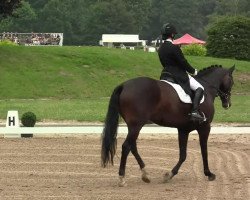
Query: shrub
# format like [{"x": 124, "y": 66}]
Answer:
[
  {"x": 7, "y": 43},
  {"x": 28, "y": 119},
  {"x": 194, "y": 50},
  {"x": 229, "y": 37}
]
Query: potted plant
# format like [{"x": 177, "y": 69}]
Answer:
[{"x": 28, "y": 119}]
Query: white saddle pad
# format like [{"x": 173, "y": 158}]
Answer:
[{"x": 184, "y": 97}]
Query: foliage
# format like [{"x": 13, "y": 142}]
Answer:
[
  {"x": 22, "y": 22},
  {"x": 7, "y": 43},
  {"x": 229, "y": 37},
  {"x": 28, "y": 119},
  {"x": 7, "y": 7},
  {"x": 190, "y": 19},
  {"x": 105, "y": 20},
  {"x": 84, "y": 21},
  {"x": 194, "y": 50},
  {"x": 232, "y": 7},
  {"x": 140, "y": 11}
]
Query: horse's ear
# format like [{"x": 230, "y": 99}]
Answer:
[{"x": 232, "y": 69}]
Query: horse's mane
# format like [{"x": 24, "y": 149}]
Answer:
[{"x": 207, "y": 70}]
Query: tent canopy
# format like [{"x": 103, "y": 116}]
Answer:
[
  {"x": 120, "y": 38},
  {"x": 188, "y": 39}
]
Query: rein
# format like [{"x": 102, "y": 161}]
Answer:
[{"x": 219, "y": 93}]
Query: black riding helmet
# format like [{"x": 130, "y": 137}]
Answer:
[{"x": 167, "y": 30}]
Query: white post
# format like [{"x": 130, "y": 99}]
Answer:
[{"x": 12, "y": 121}]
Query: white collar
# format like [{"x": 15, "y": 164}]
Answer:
[{"x": 169, "y": 40}]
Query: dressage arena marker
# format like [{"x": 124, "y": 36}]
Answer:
[
  {"x": 151, "y": 129},
  {"x": 12, "y": 122}
]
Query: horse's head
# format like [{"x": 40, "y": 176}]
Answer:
[{"x": 225, "y": 87}]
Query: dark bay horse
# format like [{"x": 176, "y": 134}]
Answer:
[{"x": 142, "y": 100}]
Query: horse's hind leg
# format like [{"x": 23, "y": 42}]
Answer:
[
  {"x": 203, "y": 135},
  {"x": 183, "y": 138},
  {"x": 130, "y": 145},
  {"x": 125, "y": 151},
  {"x": 140, "y": 162}
]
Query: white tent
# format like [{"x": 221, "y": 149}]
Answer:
[{"x": 111, "y": 40}]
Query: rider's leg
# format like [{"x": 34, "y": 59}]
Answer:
[{"x": 199, "y": 91}]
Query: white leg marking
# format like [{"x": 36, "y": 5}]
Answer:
[
  {"x": 167, "y": 177},
  {"x": 122, "y": 182}
]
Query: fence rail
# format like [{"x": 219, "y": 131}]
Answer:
[
  {"x": 121, "y": 130},
  {"x": 34, "y": 39}
]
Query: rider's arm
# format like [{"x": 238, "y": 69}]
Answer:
[{"x": 183, "y": 62}]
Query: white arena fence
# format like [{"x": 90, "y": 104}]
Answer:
[
  {"x": 13, "y": 129},
  {"x": 153, "y": 129},
  {"x": 34, "y": 39}
]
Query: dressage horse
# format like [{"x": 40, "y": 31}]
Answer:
[{"x": 145, "y": 100}]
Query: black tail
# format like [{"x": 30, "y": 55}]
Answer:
[{"x": 109, "y": 132}]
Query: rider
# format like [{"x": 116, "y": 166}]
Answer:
[{"x": 176, "y": 67}]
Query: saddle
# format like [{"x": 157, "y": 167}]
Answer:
[{"x": 183, "y": 96}]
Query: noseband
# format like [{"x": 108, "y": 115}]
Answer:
[{"x": 222, "y": 94}]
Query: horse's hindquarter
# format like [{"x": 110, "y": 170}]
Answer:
[{"x": 139, "y": 99}]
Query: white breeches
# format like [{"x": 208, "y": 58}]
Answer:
[{"x": 194, "y": 84}]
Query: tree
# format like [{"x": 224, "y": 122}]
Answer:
[
  {"x": 38, "y": 4},
  {"x": 184, "y": 14},
  {"x": 66, "y": 16},
  {"x": 229, "y": 37},
  {"x": 22, "y": 21},
  {"x": 206, "y": 9},
  {"x": 8, "y": 6},
  {"x": 140, "y": 12},
  {"x": 232, "y": 7},
  {"x": 108, "y": 17}
]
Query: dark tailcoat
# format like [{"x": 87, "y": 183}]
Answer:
[{"x": 175, "y": 65}]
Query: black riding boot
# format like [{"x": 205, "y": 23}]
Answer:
[{"x": 195, "y": 115}]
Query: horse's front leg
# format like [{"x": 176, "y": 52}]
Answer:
[
  {"x": 183, "y": 138},
  {"x": 203, "y": 135}
]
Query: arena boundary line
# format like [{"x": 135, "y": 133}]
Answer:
[{"x": 89, "y": 129}]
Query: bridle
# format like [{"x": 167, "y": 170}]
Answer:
[
  {"x": 223, "y": 95},
  {"x": 219, "y": 92}
]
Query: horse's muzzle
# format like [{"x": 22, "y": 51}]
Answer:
[{"x": 226, "y": 105}]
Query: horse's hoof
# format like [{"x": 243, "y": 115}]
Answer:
[
  {"x": 167, "y": 177},
  {"x": 145, "y": 179},
  {"x": 122, "y": 182},
  {"x": 144, "y": 176},
  {"x": 211, "y": 177}
]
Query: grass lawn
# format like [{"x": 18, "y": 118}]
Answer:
[
  {"x": 75, "y": 83},
  {"x": 94, "y": 110}
]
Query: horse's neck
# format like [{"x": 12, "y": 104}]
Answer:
[{"x": 213, "y": 81}]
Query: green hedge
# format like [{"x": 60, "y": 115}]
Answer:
[
  {"x": 229, "y": 37},
  {"x": 194, "y": 50},
  {"x": 28, "y": 119},
  {"x": 7, "y": 43}
]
